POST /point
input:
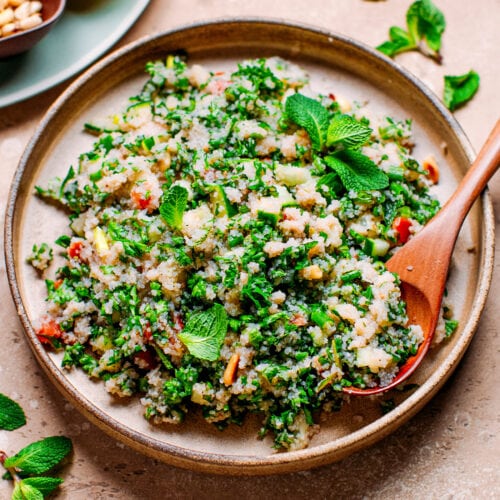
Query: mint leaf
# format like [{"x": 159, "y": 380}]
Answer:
[
  {"x": 310, "y": 115},
  {"x": 356, "y": 171},
  {"x": 23, "y": 491},
  {"x": 431, "y": 24},
  {"x": 204, "y": 333},
  {"x": 11, "y": 414},
  {"x": 412, "y": 22},
  {"x": 41, "y": 456},
  {"x": 460, "y": 89},
  {"x": 173, "y": 206},
  {"x": 331, "y": 181},
  {"x": 424, "y": 22},
  {"x": 44, "y": 484},
  {"x": 348, "y": 131}
]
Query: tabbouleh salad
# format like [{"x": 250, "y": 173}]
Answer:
[{"x": 228, "y": 234}]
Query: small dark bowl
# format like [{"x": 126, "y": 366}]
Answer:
[{"x": 24, "y": 40}]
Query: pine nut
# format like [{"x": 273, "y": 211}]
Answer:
[
  {"x": 8, "y": 29},
  {"x": 35, "y": 7},
  {"x": 16, "y": 3},
  {"x": 430, "y": 165},
  {"x": 30, "y": 22},
  {"x": 6, "y": 16},
  {"x": 23, "y": 11},
  {"x": 19, "y": 15}
]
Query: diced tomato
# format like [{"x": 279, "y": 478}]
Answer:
[
  {"x": 140, "y": 200},
  {"x": 49, "y": 330},
  {"x": 147, "y": 334},
  {"x": 298, "y": 320},
  {"x": 58, "y": 283},
  {"x": 145, "y": 360},
  {"x": 402, "y": 226},
  {"x": 331, "y": 96},
  {"x": 75, "y": 249},
  {"x": 178, "y": 323},
  {"x": 217, "y": 87}
]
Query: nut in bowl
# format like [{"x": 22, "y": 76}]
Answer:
[{"x": 23, "y": 23}]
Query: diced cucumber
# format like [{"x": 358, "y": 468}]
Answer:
[
  {"x": 101, "y": 126},
  {"x": 292, "y": 176},
  {"x": 148, "y": 143},
  {"x": 396, "y": 173},
  {"x": 320, "y": 317},
  {"x": 292, "y": 204},
  {"x": 376, "y": 247},
  {"x": 219, "y": 196},
  {"x": 93, "y": 129},
  {"x": 350, "y": 276},
  {"x": 268, "y": 217},
  {"x": 139, "y": 114}
]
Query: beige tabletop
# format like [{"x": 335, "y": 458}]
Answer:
[{"x": 449, "y": 450}]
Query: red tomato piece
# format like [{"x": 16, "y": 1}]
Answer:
[
  {"x": 49, "y": 330},
  {"x": 140, "y": 200},
  {"x": 178, "y": 323},
  {"x": 145, "y": 360},
  {"x": 402, "y": 226},
  {"x": 147, "y": 334},
  {"x": 75, "y": 249}
]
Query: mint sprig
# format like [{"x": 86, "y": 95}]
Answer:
[
  {"x": 37, "y": 458},
  {"x": 342, "y": 135},
  {"x": 356, "y": 171},
  {"x": 41, "y": 456},
  {"x": 11, "y": 414},
  {"x": 460, "y": 89},
  {"x": 425, "y": 25},
  {"x": 45, "y": 485},
  {"x": 204, "y": 333},
  {"x": 25, "y": 491},
  {"x": 348, "y": 131},
  {"x": 173, "y": 206},
  {"x": 310, "y": 115}
]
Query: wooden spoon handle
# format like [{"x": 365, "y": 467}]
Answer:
[{"x": 475, "y": 180}]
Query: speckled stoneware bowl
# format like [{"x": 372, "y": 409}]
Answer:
[
  {"x": 22, "y": 41},
  {"x": 356, "y": 72}
]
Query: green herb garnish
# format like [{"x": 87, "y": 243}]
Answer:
[
  {"x": 310, "y": 115},
  {"x": 11, "y": 414},
  {"x": 41, "y": 456},
  {"x": 460, "y": 89},
  {"x": 357, "y": 171},
  {"x": 348, "y": 131},
  {"x": 32, "y": 488},
  {"x": 173, "y": 206},
  {"x": 37, "y": 458},
  {"x": 204, "y": 333},
  {"x": 425, "y": 24}
]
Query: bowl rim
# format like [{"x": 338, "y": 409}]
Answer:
[
  {"x": 45, "y": 22},
  {"x": 291, "y": 460}
]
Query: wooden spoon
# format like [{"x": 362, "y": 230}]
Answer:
[{"x": 422, "y": 264}]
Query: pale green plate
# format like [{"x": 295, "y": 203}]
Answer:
[{"x": 87, "y": 29}]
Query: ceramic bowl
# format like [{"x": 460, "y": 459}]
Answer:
[
  {"x": 23, "y": 40},
  {"x": 356, "y": 72}
]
